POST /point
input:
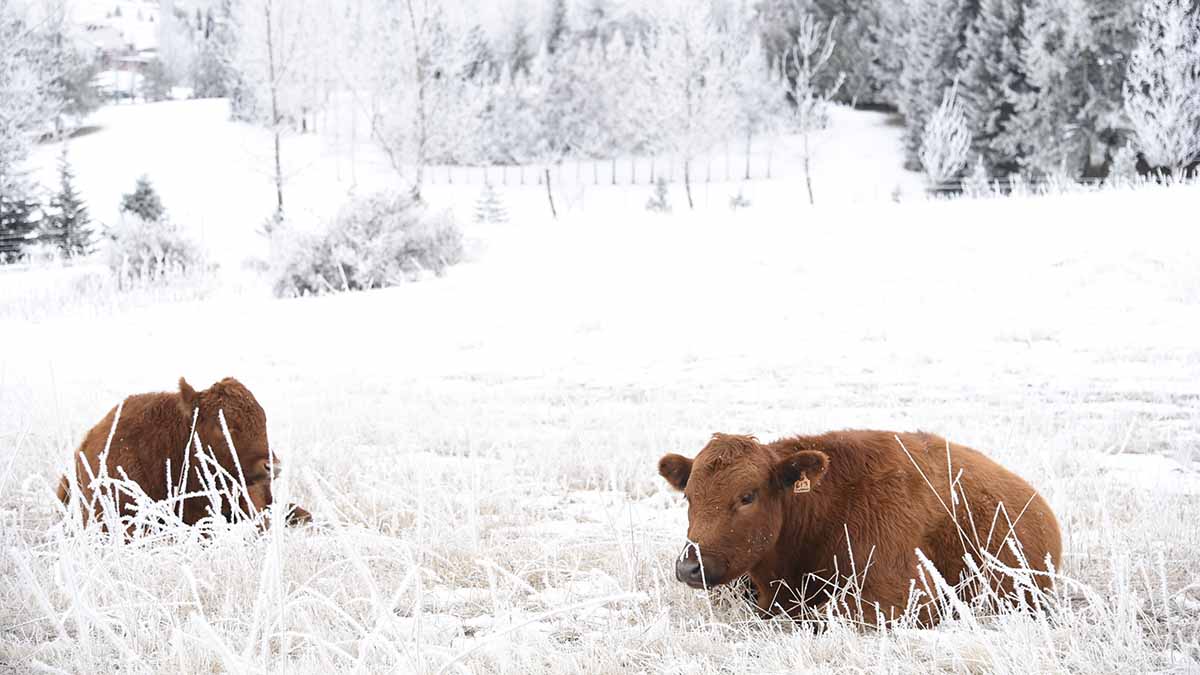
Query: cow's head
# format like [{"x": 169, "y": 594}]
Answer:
[
  {"x": 246, "y": 420},
  {"x": 736, "y": 490}
]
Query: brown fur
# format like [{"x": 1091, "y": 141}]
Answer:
[
  {"x": 794, "y": 546},
  {"x": 152, "y": 436}
]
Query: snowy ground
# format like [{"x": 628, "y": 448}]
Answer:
[{"x": 479, "y": 450}]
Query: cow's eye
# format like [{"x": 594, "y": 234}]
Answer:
[{"x": 749, "y": 498}]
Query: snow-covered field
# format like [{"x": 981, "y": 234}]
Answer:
[{"x": 480, "y": 450}]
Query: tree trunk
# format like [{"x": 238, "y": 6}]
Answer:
[
  {"x": 687, "y": 181},
  {"x": 749, "y": 139},
  {"x": 422, "y": 113},
  {"x": 275, "y": 121},
  {"x": 807, "y": 173},
  {"x": 614, "y": 170},
  {"x": 550, "y": 195}
]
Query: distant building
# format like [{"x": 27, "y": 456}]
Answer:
[{"x": 122, "y": 35}]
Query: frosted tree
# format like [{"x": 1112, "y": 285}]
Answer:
[
  {"x": 416, "y": 87},
  {"x": 28, "y": 69},
  {"x": 489, "y": 208},
  {"x": 555, "y": 80},
  {"x": 757, "y": 94},
  {"x": 68, "y": 223},
  {"x": 946, "y": 142},
  {"x": 991, "y": 81},
  {"x": 888, "y": 36},
  {"x": 29, "y": 97},
  {"x": 272, "y": 36},
  {"x": 1162, "y": 92},
  {"x": 691, "y": 81},
  {"x": 178, "y": 42},
  {"x": 597, "y": 66},
  {"x": 636, "y": 124},
  {"x": 929, "y": 61},
  {"x": 1055, "y": 122},
  {"x": 804, "y": 63}
]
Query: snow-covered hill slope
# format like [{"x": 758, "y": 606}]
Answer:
[{"x": 215, "y": 175}]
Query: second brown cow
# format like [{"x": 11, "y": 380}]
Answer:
[{"x": 153, "y": 444}]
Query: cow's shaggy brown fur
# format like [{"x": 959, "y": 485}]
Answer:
[
  {"x": 873, "y": 499},
  {"x": 152, "y": 444}
]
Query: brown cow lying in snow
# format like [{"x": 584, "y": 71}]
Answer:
[
  {"x": 153, "y": 436},
  {"x": 807, "y": 516}
]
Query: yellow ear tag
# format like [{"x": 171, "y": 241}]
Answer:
[{"x": 803, "y": 485}]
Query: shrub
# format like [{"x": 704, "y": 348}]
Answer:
[
  {"x": 150, "y": 250},
  {"x": 374, "y": 242}
]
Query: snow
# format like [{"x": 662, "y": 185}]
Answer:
[{"x": 479, "y": 449}]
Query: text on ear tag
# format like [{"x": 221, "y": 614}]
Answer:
[{"x": 803, "y": 485}]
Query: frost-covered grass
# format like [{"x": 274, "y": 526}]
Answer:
[{"x": 479, "y": 450}]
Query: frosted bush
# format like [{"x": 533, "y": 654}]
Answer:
[
  {"x": 376, "y": 241},
  {"x": 150, "y": 250}
]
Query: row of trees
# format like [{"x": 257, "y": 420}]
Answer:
[
  {"x": 1040, "y": 88},
  {"x": 1045, "y": 88},
  {"x": 428, "y": 87}
]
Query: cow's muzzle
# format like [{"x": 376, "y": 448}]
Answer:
[{"x": 698, "y": 570}]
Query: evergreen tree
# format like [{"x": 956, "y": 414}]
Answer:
[
  {"x": 992, "y": 80},
  {"x": 659, "y": 202},
  {"x": 68, "y": 223},
  {"x": 946, "y": 142},
  {"x": 489, "y": 208},
  {"x": 19, "y": 217},
  {"x": 931, "y": 50},
  {"x": 1162, "y": 91},
  {"x": 1055, "y": 120},
  {"x": 478, "y": 54},
  {"x": 143, "y": 202},
  {"x": 558, "y": 31}
]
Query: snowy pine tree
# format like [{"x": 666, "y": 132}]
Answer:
[
  {"x": 1055, "y": 125},
  {"x": 660, "y": 201},
  {"x": 930, "y": 60},
  {"x": 20, "y": 215},
  {"x": 489, "y": 208},
  {"x": 68, "y": 223},
  {"x": 143, "y": 202},
  {"x": 946, "y": 141},
  {"x": 992, "y": 80},
  {"x": 1162, "y": 92}
]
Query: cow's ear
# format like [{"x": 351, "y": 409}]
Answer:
[
  {"x": 676, "y": 469},
  {"x": 798, "y": 467},
  {"x": 188, "y": 400}
]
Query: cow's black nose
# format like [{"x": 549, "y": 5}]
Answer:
[{"x": 687, "y": 570}]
